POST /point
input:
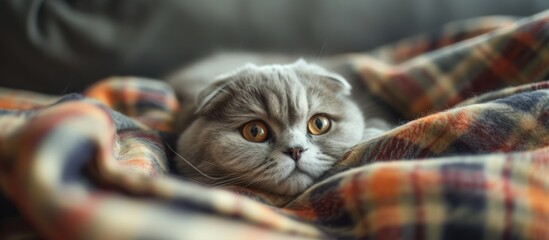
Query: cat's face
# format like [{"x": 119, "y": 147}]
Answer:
[{"x": 276, "y": 128}]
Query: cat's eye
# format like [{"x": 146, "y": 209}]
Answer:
[
  {"x": 319, "y": 124},
  {"x": 255, "y": 131}
]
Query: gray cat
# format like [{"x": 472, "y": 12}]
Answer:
[{"x": 274, "y": 127}]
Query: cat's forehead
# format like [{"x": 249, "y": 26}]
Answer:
[
  {"x": 291, "y": 78},
  {"x": 286, "y": 97},
  {"x": 286, "y": 94},
  {"x": 275, "y": 95}
]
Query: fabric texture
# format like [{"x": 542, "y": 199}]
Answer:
[{"x": 471, "y": 162}]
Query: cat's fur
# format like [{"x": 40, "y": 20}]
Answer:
[{"x": 283, "y": 96}]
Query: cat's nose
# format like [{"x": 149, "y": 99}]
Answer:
[{"x": 295, "y": 152}]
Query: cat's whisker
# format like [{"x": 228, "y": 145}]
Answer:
[
  {"x": 333, "y": 157},
  {"x": 221, "y": 177},
  {"x": 325, "y": 157},
  {"x": 229, "y": 182},
  {"x": 237, "y": 178},
  {"x": 321, "y": 49},
  {"x": 213, "y": 174},
  {"x": 192, "y": 180},
  {"x": 210, "y": 163},
  {"x": 328, "y": 159},
  {"x": 256, "y": 175},
  {"x": 235, "y": 182},
  {"x": 190, "y": 164},
  {"x": 253, "y": 181}
]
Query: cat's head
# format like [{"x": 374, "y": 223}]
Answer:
[{"x": 276, "y": 128}]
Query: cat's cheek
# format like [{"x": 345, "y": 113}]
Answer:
[
  {"x": 346, "y": 133},
  {"x": 330, "y": 143},
  {"x": 232, "y": 151}
]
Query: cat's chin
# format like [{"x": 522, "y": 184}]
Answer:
[{"x": 294, "y": 184}]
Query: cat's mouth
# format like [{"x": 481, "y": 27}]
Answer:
[
  {"x": 296, "y": 182},
  {"x": 297, "y": 171},
  {"x": 300, "y": 170}
]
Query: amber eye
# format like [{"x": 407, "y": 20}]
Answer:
[
  {"x": 319, "y": 124},
  {"x": 255, "y": 131}
]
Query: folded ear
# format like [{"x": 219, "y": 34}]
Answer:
[
  {"x": 338, "y": 83},
  {"x": 212, "y": 94},
  {"x": 207, "y": 95},
  {"x": 335, "y": 82}
]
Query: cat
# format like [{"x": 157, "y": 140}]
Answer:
[{"x": 272, "y": 127}]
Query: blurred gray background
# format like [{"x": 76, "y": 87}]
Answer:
[{"x": 56, "y": 46}]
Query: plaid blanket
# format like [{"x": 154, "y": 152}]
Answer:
[{"x": 471, "y": 162}]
